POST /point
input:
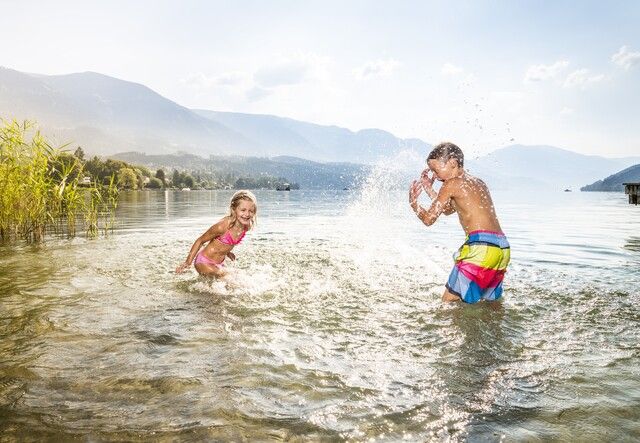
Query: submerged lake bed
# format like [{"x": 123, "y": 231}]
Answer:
[{"x": 333, "y": 330}]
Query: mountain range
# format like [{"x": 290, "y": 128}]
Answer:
[
  {"x": 544, "y": 167},
  {"x": 306, "y": 173},
  {"x": 614, "y": 183},
  {"x": 107, "y": 116}
]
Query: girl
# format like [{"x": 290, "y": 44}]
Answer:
[{"x": 222, "y": 237}]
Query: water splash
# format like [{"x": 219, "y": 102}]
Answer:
[
  {"x": 258, "y": 280},
  {"x": 391, "y": 173}
]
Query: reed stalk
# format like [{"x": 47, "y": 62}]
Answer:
[{"x": 40, "y": 189}]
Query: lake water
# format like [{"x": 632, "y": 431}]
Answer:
[{"x": 334, "y": 330}]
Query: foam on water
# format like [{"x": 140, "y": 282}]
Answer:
[{"x": 260, "y": 280}]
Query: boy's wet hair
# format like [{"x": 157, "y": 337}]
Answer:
[{"x": 445, "y": 151}]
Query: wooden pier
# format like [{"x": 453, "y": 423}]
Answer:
[{"x": 633, "y": 189}]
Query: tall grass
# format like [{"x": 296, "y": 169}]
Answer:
[{"x": 40, "y": 189}]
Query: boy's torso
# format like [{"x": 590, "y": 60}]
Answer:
[{"x": 472, "y": 201}]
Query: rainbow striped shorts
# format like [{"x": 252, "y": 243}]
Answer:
[{"x": 480, "y": 265}]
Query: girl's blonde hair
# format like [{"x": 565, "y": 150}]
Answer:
[{"x": 235, "y": 201}]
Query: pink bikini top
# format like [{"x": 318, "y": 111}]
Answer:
[{"x": 228, "y": 239}]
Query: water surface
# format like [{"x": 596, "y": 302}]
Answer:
[{"x": 334, "y": 331}]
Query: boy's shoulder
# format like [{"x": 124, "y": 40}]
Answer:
[
  {"x": 453, "y": 183},
  {"x": 464, "y": 182},
  {"x": 471, "y": 180}
]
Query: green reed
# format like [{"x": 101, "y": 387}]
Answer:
[{"x": 40, "y": 189}]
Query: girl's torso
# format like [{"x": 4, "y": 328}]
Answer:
[{"x": 219, "y": 247}]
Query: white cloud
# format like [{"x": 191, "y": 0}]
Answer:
[
  {"x": 230, "y": 79},
  {"x": 582, "y": 78},
  {"x": 378, "y": 68},
  {"x": 256, "y": 83},
  {"x": 626, "y": 58},
  {"x": 257, "y": 93},
  {"x": 566, "y": 111},
  {"x": 450, "y": 69},
  {"x": 198, "y": 80},
  {"x": 292, "y": 70},
  {"x": 287, "y": 72},
  {"x": 202, "y": 81},
  {"x": 537, "y": 73}
]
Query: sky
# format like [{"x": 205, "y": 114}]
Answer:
[{"x": 482, "y": 74}]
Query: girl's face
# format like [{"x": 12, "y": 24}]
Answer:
[{"x": 244, "y": 212}]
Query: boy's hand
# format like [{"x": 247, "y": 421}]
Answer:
[
  {"x": 427, "y": 181},
  {"x": 414, "y": 192}
]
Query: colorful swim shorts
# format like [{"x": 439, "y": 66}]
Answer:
[{"x": 480, "y": 265}]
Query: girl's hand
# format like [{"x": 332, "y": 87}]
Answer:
[
  {"x": 180, "y": 269},
  {"x": 231, "y": 255},
  {"x": 414, "y": 193},
  {"x": 427, "y": 181}
]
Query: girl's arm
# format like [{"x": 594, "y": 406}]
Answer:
[{"x": 214, "y": 231}]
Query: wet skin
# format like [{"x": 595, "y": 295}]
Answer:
[
  {"x": 215, "y": 250},
  {"x": 462, "y": 193}
]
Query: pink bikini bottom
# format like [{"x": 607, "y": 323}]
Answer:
[{"x": 203, "y": 259}]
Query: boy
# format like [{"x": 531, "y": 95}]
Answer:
[{"x": 481, "y": 262}]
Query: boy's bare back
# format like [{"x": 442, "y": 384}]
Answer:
[{"x": 470, "y": 198}]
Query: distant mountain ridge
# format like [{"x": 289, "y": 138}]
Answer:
[
  {"x": 614, "y": 183},
  {"x": 308, "y": 174},
  {"x": 307, "y": 140},
  {"x": 545, "y": 167},
  {"x": 107, "y": 115}
]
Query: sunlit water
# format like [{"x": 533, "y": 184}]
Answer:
[{"x": 333, "y": 330}]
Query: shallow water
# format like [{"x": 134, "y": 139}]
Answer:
[{"x": 333, "y": 329}]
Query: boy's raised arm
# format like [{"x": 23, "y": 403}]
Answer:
[
  {"x": 441, "y": 203},
  {"x": 427, "y": 185}
]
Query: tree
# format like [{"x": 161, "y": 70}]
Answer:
[
  {"x": 155, "y": 183},
  {"x": 188, "y": 181},
  {"x": 175, "y": 179},
  {"x": 127, "y": 178},
  {"x": 79, "y": 154},
  {"x": 144, "y": 171},
  {"x": 139, "y": 177},
  {"x": 112, "y": 167},
  {"x": 160, "y": 176}
]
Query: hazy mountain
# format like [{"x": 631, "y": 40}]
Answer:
[
  {"x": 544, "y": 167},
  {"x": 280, "y": 135},
  {"x": 308, "y": 174},
  {"x": 106, "y": 115},
  {"x": 615, "y": 182}
]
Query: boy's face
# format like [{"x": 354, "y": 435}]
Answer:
[{"x": 443, "y": 170}]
